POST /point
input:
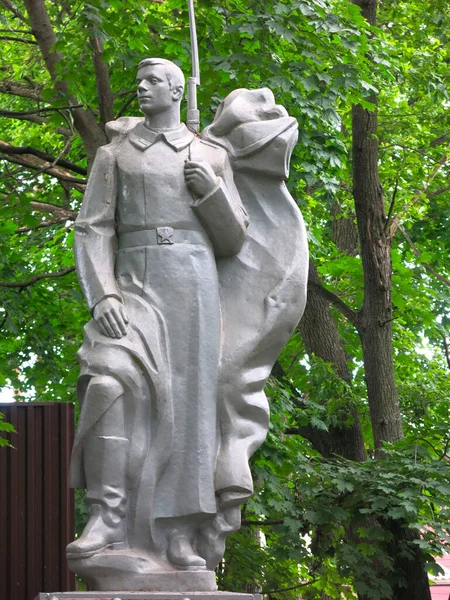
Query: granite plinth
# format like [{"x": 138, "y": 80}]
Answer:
[{"x": 147, "y": 596}]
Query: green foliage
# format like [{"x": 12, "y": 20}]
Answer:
[{"x": 326, "y": 521}]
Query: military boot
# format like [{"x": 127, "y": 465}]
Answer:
[
  {"x": 106, "y": 474},
  {"x": 181, "y": 553}
]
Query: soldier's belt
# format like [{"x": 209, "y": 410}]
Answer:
[{"x": 161, "y": 236}]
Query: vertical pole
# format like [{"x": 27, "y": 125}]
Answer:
[{"x": 193, "y": 114}]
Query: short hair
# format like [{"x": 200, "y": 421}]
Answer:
[{"x": 174, "y": 74}]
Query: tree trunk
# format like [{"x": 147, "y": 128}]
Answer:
[
  {"x": 411, "y": 569},
  {"x": 321, "y": 337},
  {"x": 104, "y": 91},
  {"x": 376, "y": 322},
  {"x": 344, "y": 231},
  {"x": 376, "y": 325},
  {"x": 376, "y": 318},
  {"x": 90, "y": 132}
]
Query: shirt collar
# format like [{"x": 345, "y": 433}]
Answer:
[{"x": 142, "y": 138}]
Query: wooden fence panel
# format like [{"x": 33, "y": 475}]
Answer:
[{"x": 36, "y": 504}]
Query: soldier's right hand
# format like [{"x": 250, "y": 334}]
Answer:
[{"x": 111, "y": 318}]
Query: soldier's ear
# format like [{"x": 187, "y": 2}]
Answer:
[{"x": 177, "y": 93}]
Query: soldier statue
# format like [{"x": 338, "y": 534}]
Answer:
[{"x": 192, "y": 257}]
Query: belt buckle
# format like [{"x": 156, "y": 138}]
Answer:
[{"x": 164, "y": 235}]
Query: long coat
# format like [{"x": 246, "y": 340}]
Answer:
[{"x": 142, "y": 238}]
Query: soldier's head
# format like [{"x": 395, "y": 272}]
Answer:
[{"x": 160, "y": 86}]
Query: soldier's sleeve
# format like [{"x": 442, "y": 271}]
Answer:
[
  {"x": 223, "y": 214},
  {"x": 95, "y": 237}
]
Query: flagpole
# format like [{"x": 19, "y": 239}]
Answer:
[{"x": 193, "y": 114}]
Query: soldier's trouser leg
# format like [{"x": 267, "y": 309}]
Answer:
[{"x": 105, "y": 457}]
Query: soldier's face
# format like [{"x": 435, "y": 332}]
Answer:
[{"x": 153, "y": 89}]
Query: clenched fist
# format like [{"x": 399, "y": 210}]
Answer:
[
  {"x": 111, "y": 317},
  {"x": 200, "y": 177}
]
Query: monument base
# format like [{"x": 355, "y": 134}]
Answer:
[
  {"x": 147, "y": 596},
  {"x": 132, "y": 571}
]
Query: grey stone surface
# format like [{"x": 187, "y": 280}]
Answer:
[{"x": 192, "y": 256}]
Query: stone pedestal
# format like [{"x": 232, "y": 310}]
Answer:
[
  {"x": 132, "y": 571},
  {"x": 147, "y": 596}
]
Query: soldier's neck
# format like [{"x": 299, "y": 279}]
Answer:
[{"x": 162, "y": 121}]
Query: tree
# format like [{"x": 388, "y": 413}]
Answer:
[{"x": 369, "y": 362}]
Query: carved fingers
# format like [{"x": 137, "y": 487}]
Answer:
[
  {"x": 111, "y": 317},
  {"x": 200, "y": 177}
]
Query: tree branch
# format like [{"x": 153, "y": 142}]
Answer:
[
  {"x": 444, "y": 453},
  {"x": 294, "y": 587},
  {"x": 47, "y": 223},
  {"x": 33, "y": 118},
  {"x": 341, "y": 306},
  {"x": 14, "y": 88},
  {"x": 10, "y": 38},
  {"x": 446, "y": 350},
  {"x": 36, "y": 278},
  {"x": 62, "y": 215},
  {"x": 417, "y": 252},
  {"x": 125, "y": 93},
  {"x": 37, "y": 164},
  {"x": 418, "y": 195},
  {"x": 125, "y": 106},
  {"x": 6, "y": 148},
  {"x": 4, "y": 320},
  {"x": 438, "y": 192},
  {"x": 24, "y": 113},
  {"x": 53, "y": 209},
  {"x": 7, "y": 4},
  {"x": 27, "y": 31},
  {"x": 442, "y": 139},
  {"x": 391, "y": 206},
  {"x": 262, "y": 523}
]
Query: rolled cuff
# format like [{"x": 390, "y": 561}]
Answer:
[{"x": 224, "y": 220}]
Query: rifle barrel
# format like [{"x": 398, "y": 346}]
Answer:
[
  {"x": 194, "y": 45},
  {"x": 193, "y": 115}
]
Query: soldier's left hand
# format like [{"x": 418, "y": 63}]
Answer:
[{"x": 200, "y": 177}]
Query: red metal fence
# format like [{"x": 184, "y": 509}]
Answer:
[{"x": 36, "y": 505}]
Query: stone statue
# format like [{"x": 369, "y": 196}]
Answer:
[{"x": 192, "y": 257}]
